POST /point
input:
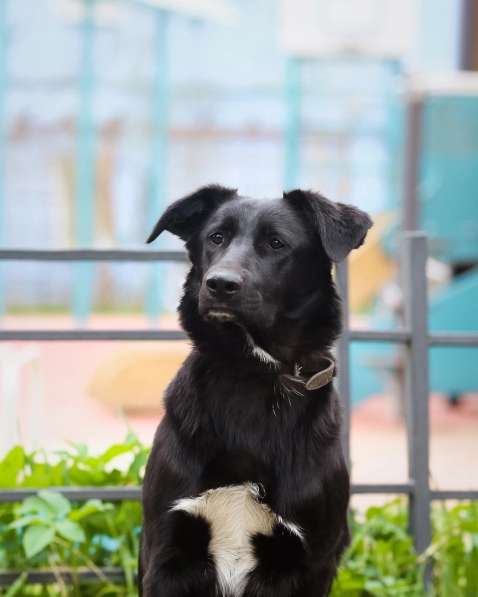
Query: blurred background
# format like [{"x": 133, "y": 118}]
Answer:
[{"x": 110, "y": 109}]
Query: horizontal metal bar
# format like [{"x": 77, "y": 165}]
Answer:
[
  {"x": 454, "y": 494},
  {"x": 453, "y": 339},
  {"x": 379, "y": 488},
  {"x": 76, "y": 494},
  {"x": 401, "y": 336},
  {"x": 45, "y": 577},
  {"x": 91, "y": 255},
  {"x": 380, "y": 336},
  {"x": 134, "y": 493},
  {"x": 67, "y": 335}
]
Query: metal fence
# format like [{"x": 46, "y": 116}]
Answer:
[{"x": 414, "y": 336}]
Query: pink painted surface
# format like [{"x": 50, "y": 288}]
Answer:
[{"x": 68, "y": 413}]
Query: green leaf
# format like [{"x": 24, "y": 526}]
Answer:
[
  {"x": 44, "y": 475},
  {"x": 36, "y": 505},
  {"x": 70, "y": 530},
  {"x": 11, "y": 466},
  {"x": 57, "y": 502},
  {"x": 138, "y": 464},
  {"x": 24, "y": 521},
  {"x": 113, "y": 452},
  {"x": 36, "y": 538},
  {"x": 90, "y": 507}
]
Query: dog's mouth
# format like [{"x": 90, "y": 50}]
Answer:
[{"x": 221, "y": 315}]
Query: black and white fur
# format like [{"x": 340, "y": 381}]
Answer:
[{"x": 246, "y": 489}]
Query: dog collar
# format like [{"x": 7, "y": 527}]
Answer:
[{"x": 321, "y": 378}]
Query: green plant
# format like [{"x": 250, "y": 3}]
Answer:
[
  {"x": 454, "y": 550},
  {"x": 49, "y": 532},
  {"x": 380, "y": 560}
]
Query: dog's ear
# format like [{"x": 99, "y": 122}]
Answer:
[
  {"x": 341, "y": 227},
  {"x": 185, "y": 216}
]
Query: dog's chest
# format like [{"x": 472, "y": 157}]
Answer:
[{"x": 235, "y": 515}]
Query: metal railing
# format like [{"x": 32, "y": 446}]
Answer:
[{"x": 414, "y": 336}]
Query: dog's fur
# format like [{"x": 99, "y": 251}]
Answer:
[{"x": 246, "y": 489}]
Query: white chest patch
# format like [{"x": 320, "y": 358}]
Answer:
[{"x": 235, "y": 515}]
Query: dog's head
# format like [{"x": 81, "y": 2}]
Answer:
[{"x": 263, "y": 266}]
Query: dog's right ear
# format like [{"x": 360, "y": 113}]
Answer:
[{"x": 185, "y": 216}]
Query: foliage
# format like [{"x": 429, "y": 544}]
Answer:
[
  {"x": 380, "y": 560},
  {"x": 49, "y": 532}
]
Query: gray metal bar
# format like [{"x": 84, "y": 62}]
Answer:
[
  {"x": 45, "y": 577},
  {"x": 411, "y": 158},
  {"x": 454, "y": 494},
  {"x": 87, "y": 335},
  {"x": 406, "y": 488},
  {"x": 453, "y": 339},
  {"x": 343, "y": 357},
  {"x": 91, "y": 255},
  {"x": 115, "y": 494},
  {"x": 467, "y": 24},
  {"x": 80, "y": 494},
  {"x": 401, "y": 336},
  {"x": 417, "y": 403}
]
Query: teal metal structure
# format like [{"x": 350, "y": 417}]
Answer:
[
  {"x": 292, "y": 92},
  {"x": 445, "y": 206},
  {"x": 85, "y": 159},
  {"x": 3, "y": 132},
  {"x": 448, "y": 190},
  {"x": 159, "y": 152},
  {"x": 85, "y": 166},
  {"x": 447, "y": 211}
]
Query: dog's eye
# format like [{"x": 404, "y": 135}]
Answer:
[
  {"x": 275, "y": 243},
  {"x": 217, "y": 238}
]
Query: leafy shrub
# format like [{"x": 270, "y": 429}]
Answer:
[{"x": 49, "y": 532}]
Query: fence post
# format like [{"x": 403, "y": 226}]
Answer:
[
  {"x": 343, "y": 356},
  {"x": 417, "y": 391},
  {"x": 413, "y": 141}
]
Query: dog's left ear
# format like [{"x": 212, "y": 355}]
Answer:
[
  {"x": 341, "y": 227},
  {"x": 185, "y": 216}
]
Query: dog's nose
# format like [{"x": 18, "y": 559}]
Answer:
[{"x": 223, "y": 283}]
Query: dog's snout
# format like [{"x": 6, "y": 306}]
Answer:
[{"x": 223, "y": 283}]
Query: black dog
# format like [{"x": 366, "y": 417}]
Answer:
[{"x": 246, "y": 489}]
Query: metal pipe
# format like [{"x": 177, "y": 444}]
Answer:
[
  {"x": 3, "y": 133},
  {"x": 343, "y": 358},
  {"x": 85, "y": 166},
  {"x": 401, "y": 336},
  {"x": 411, "y": 214},
  {"x": 292, "y": 130},
  {"x": 417, "y": 394},
  {"x": 89, "y": 335},
  {"x": 467, "y": 26},
  {"x": 122, "y": 255},
  {"x": 453, "y": 339},
  {"x": 113, "y": 494},
  {"x": 45, "y": 577},
  {"x": 158, "y": 167}
]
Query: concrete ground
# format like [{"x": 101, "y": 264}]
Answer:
[{"x": 54, "y": 405}]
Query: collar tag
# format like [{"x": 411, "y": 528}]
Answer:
[{"x": 323, "y": 377}]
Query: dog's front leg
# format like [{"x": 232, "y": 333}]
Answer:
[
  {"x": 179, "y": 564},
  {"x": 282, "y": 563},
  {"x": 286, "y": 568}
]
